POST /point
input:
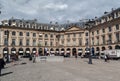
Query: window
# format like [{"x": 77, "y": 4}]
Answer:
[
  {"x": 5, "y": 41},
  {"x": 117, "y": 26},
  {"x": 117, "y": 37},
  {"x": 80, "y": 35},
  {"x": 34, "y": 34},
  {"x": 86, "y": 41},
  {"x": 110, "y": 29},
  {"x": 13, "y": 41},
  {"x": 80, "y": 42},
  {"x": 92, "y": 33},
  {"x": 109, "y": 39},
  {"x": 51, "y": 43},
  {"x": 86, "y": 33},
  {"x": 45, "y": 43},
  {"x": 27, "y": 26},
  {"x": 62, "y": 42},
  {"x": 27, "y": 34},
  {"x": 34, "y": 42},
  {"x": 51, "y": 35},
  {"x": 13, "y": 33},
  {"x": 74, "y": 35},
  {"x": 27, "y": 42},
  {"x": 103, "y": 30},
  {"x": 103, "y": 39},
  {"x": 46, "y": 35},
  {"x": 20, "y": 42},
  {"x": 62, "y": 36},
  {"x": 97, "y": 31},
  {"x": 21, "y": 34},
  {"x": 5, "y": 32},
  {"x": 92, "y": 41},
  {"x": 68, "y": 35},
  {"x": 97, "y": 40}
]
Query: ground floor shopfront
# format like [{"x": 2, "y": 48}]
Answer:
[{"x": 70, "y": 51}]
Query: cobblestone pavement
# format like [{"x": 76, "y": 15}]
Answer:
[{"x": 70, "y": 70}]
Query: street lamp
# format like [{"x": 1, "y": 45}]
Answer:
[
  {"x": 7, "y": 33},
  {"x": 90, "y": 57}
]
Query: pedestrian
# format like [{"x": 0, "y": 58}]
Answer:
[
  {"x": 2, "y": 63},
  {"x": 75, "y": 55},
  {"x": 105, "y": 58},
  {"x": 34, "y": 58}
]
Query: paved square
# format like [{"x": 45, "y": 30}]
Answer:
[{"x": 70, "y": 70}]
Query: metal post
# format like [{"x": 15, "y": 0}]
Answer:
[
  {"x": 90, "y": 57},
  {"x": 7, "y": 47},
  {"x": 89, "y": 45}
]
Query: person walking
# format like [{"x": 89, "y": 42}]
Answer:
[
  {"x": 75, "y": 55},
  {"x": 2, "y": 63},
  {"x": 106, "y": 58}
]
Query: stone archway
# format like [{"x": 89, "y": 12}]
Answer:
[
  {"x": 74, "y": 51},
  {"x": 20, "y": 51},
  {"x": 40, "y": 51},
  {"x": 117, "y": 47},
  {"x": 110, "y": 47}
]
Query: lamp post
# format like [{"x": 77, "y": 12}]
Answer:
[
  {"x": 90, "y": 57},
  {"x": 7, "y": 33}
]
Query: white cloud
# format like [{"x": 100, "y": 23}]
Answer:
[
  {"x": 56, "y": 6},
  {"x": 55, "y": 10}
]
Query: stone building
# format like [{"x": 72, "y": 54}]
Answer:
[{"x": 28, "y": 36}]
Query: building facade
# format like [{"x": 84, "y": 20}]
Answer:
[{"x": 29, "y": 36}]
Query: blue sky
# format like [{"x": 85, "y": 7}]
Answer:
[{"x": 56, "y": 10}]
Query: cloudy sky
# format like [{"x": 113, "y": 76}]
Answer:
[{"x": 55, "y": 10}]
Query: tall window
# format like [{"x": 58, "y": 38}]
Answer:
[
  {"x": 74, "y": 35},
  {"x": 97, "y": 31},
  {"x": 92, "y": 41},
  {"x": 110, "y": 29},
  {"x": 5, "y": 32},
  {"x": 86, "y": 41},
  {"x": 62, "y": 36},
  {"x": 117, "y": 26},
  {"x": 21, "y": 42},
  {"x": 86, "y": 33},
  {"x": 51, "y": 43},
  {"x": 80, "y": 35},
  {"x": 51, "y": 36},
  {"x": 46, "y": 36},
  {"x": 97, "y": 40},
  {"x": 34, "y": 34},
  {"x": 13, "y": 33},
  {"x": 103, "y": 30},
  {"x": 80, "y": 41},
  {"x": 21, "y": 34},
  {"x": 110, "y": 38},
  {"x": 27, "y": 34},
  {"x": 5, "y": 41},
  {"x": 74, "y": 42},
  {"x": 117, "y": 37},
  {"x": 27, "y": 42},
  {"x": 45, "y": 43},
  {"x": 68, "y": 42},
  {"x": 68, "y": 35},
  {"x": 103, "y": 39},
  {"x": 13, "y": 41},
  {"x": 92, "y": 33},
  {"x": 34, "y": 42}
]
